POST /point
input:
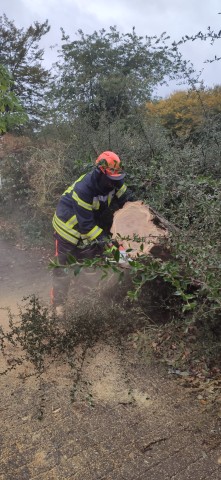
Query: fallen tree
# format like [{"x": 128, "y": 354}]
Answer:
[{"x": 140, "y": 229}]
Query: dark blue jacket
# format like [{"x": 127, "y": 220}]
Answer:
[{"x": 77, "y": 214}]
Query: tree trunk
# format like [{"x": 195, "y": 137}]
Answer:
[{"x": 138, "y": 224}]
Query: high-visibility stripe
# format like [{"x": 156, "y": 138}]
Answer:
[
  {"x": 94, "y": 233},
  {"x": 72, "y": 221},
  {"x": 110, "y": 196},
  {"x": 81, "y": 202},
  {"x": 79, "y": 179},
  {"x": 69, "y": 189},
  {"x": 66, "y": 227},
  {"x": 61, "y": 225},
  {"x": 68, "y": 234},
  {"x": 102, "y": 198},
  {"x": 121, "y": 191},
  {"x": 96, "y": 203},
  {"x": 65, "y": 235}
]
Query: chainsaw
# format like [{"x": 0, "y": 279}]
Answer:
[{"x": 123, "y": 259}]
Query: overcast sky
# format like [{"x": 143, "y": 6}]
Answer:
[{"x": 150, "y": 17}]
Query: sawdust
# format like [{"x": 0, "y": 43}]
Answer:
[{"x": 109, "y": 384}]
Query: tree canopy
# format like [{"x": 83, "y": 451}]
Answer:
[
  {"x": 185, "y": 112},
  {"x": 21, "y": 56},
  {"x": 11, "y": 112},
  {"x": 110, "y": 72}
]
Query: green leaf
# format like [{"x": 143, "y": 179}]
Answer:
[{"x": 77, "y": 269}]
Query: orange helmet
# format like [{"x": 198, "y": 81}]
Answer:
[{"x": 109, "y": 163}]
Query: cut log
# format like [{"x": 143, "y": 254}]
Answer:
[{"x": 137, "y": 223}]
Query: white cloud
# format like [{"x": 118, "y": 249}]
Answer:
[{"x": 176, "y": 17}]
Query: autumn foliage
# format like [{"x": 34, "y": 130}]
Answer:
[{"x": 185, "y": 112}]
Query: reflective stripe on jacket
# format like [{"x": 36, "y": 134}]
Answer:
[{"x": 74, "y": 219}]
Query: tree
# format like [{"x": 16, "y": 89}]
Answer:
[
  {"x": 11, "y": 112},
  {"x": 184, "y": 113},
  {"x": 110, "y": 72},
  {"x": 21, "y": 55}
]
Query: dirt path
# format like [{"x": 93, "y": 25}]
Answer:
[
  {"x": 22, "y": 272},
  {"x": 129, "y": 420}
]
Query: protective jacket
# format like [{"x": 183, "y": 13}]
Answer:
[{"x": 77, "y": 213}]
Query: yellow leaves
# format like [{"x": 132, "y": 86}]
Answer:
[{"x": 184, "y": 111}]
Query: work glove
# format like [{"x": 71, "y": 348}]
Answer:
[{"x": 113, "y": 243}]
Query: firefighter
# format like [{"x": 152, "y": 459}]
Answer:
[{"x": 84, "y": 216}]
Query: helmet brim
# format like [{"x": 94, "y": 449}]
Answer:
[{"x": 115, "y": 177}]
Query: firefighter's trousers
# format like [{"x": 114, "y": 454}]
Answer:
[{"x": 61, "y": 275}]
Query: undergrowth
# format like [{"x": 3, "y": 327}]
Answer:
[{"x": 38, "y": 339}]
